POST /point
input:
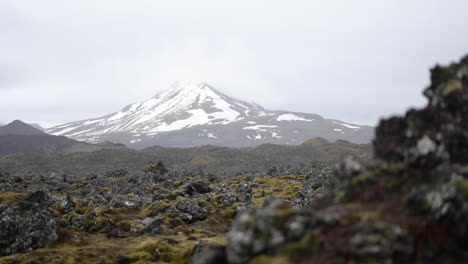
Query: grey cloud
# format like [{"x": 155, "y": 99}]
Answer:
[
  {"x": 11, "y": 75},
  {"x": 350, "y": 60}
]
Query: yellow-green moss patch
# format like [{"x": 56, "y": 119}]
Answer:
[{"x": 11, "y": 197}]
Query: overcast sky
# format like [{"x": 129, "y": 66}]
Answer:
[{"x": 354, "y": 60}]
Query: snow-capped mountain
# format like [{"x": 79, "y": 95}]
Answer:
[{"x": 191, "y": 114}]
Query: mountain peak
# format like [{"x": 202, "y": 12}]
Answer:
[
  {"x": 191, "y": 85},
  {"x": 187, "y": 87},
  {"x": 18, "y": 127},
  {"x": 17, "y": 122}
]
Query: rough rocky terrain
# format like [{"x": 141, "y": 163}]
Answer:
[{"x": 156, "y": 216}]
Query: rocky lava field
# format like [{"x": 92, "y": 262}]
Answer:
[{"x": 151, "y": 217}]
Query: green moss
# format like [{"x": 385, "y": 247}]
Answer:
[
  {"x": 228, "y": 213},
  {"x": 99, "y": 224},
  {"x": 163, "y": 206},
  {"x": 319, "y": 190},
  {"x": 140, "y": 256},
  {"x": 453, "y": 85},
  {"x": 464, "y": 188},
  {"x": 364, "y": 179},
  {"x": 178, "y": 183},
  {"x": 153, "y": 188},
  {"x": 204, "y": 203},
  {"x": 341, "y": 196},
  {"x": 262, "y": 180},
  {"x": 124, "y": 225},
  {"x": 284, "y": 187},
  {"x": 395, "y": 168},
  {"x": 100, "y": 220},
  {"x": 306, "y": 245},
  {"x": 265, "y": 259},
  {"x": 163, "y": 251},
  {"x": 395, "y": 185},
  {"x": 316, "y": 141},
  {"x": 98, "y": 249},
  {"x": 82, "y": 206},
  {"x": 148, "y": 211},
  {"x": 215, "y": 198},
  {"x": 11, "y": 197}
]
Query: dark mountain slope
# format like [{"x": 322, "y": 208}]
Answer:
[
  {"x": 18, "y": 127},
  {"x": 21, "y": 138},
  {"x": 41, "y": 144}
]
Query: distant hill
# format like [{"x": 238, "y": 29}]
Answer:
[
  {"x": 21, "y": 138},
  {"x": 18, "y": 127},
  {"x": 212, "y": 159}
]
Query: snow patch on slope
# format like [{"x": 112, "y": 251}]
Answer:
[
  {"x": 260, "y": 127},
  {"x": 211, "y": 135},
  {"x": 292, "y": 117},
  {"x": 347, "y": 125}
]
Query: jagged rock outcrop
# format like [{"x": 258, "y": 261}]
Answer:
[
  {"x": 408, "y": 205},
  {"x": 316, "y": 185},
  {"x": 27, "y": 225}
]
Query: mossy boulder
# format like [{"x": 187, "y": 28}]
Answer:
[{"x": 27, "y": 225}]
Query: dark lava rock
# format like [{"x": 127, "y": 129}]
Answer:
[
  {"x": 199, "y": 186},
  {"x": 244, "y": 190},
  {"x": 316, "y": 185},
  {"x": 78, "y": 221},
  {"x": 116, "y": 173},
  {"x": 156, "y": 167},
  {"x": 204, "y": 254},
  {"x": 252, "y": 226},
  {"x": 69, "y": 205},
  {"x": 153, "y": 225},
  {"x": 28, "y": 225},
  {"x": 192, "y": 212}
]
